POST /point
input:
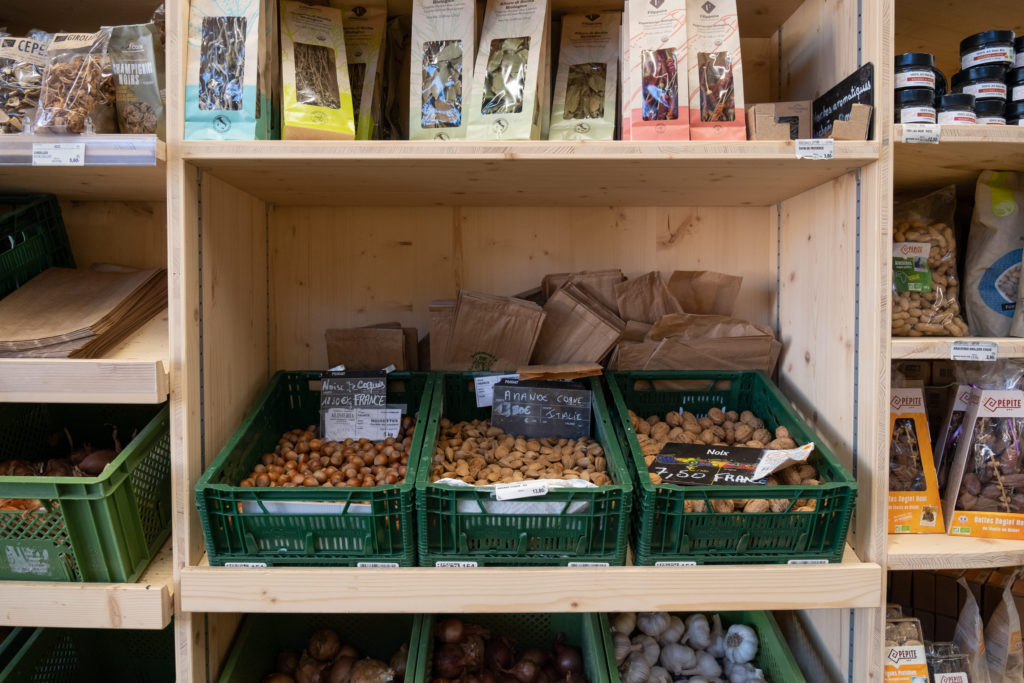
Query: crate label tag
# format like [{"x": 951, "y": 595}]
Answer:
[
  {"x": 484, "y": 387},
  {"x": 447, "y": 563},
  {"x": 974, "y": 350},
  {"x": 807, "y": 562},
  {"x": 520, "y": 489},
  {"x": 256, "y": 565},
  {"x": 58, "y": 154},
  {"x": 588, "y": 564},
  {"x": 675, "y": 564},
  {"x": 816, "y": 149},
  {"x": 383, "y": 565},
  {"x": 28, "y": 560},
  {"x": 927, "y": 133}
]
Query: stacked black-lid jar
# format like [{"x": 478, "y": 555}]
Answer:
[{"x": 989, "y": 88}]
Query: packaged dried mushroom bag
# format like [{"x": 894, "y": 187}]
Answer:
[
  {"x": 137, "y": 58},
  {"x": 914, "y": 505},
  {"x": 655, "y": 71},
  {"x": 924, "y": 280},
  {"x": 78, "y": 85},
  {"x": 986, "y": 479},
  {"x": 22, "y": 64},
  {"x": 365, "y": 23},
  {"x": 505, "y": 103},
  {"x": 441, "y": 68},
  {"x": 229, "y": 70},
  {"x": 715, "y": 71},
  {"x": 585, "y": 88},
  {"x": 316, "y": 100}
]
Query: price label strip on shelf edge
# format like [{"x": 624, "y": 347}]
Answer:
[
  {"x": 815, "y": 149},
  {"x": 974, "y": 350},
  {"x": 58, "y": 154},
  {"x": 927, "y": 133}
]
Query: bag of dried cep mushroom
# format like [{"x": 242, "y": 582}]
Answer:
[
  {"x": 585, "y": 88},
  {"x": 22, "y": 63},
  {"x": 78, "y": 85},
  {"x": 924, "y": 280}
]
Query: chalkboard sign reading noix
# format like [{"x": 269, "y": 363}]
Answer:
[
  {"x": 837, "y": 103},
  {"x": 540, "y": 409},
  {"x": 688, "y": 464},
  {"x": 353, "y": 405}
]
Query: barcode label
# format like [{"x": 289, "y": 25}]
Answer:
[
  {"x": 258, "y": 565},
  {"x": 520, "y": 489},
  {"x": 675, "y": 564},
  {"x": 58, "y": 154},
  {"x": 823, "y": 148},
  {"x": 807, "y": 562},
  {"x": 588, "y": 564},
  {"x": 454, "y": 564},
  {"x": 927, "y": 133},
  {"x": 974, "y": 350},
  {"x": 386, "y": 565}
]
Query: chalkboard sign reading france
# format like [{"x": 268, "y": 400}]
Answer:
[
  {"x": 688, "y": 464},
  {"x": 539, "y": 409},
  {"x": 353, "y": 405}
]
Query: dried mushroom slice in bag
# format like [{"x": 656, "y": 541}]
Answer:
[
  {"x": 22, "y": 63},
  {"x": 78, "y": 86},
  {"x": 994, "y": 478},
  {"x": 441, "y": 87},
  {"x": 505, "y": 80}
]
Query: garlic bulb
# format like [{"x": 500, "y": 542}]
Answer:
[
  {"x": 659, "y": 675},
  {"x": 652, "y": 623},
  {"x": 717, "y": 646},
  {"x": 674, "y": 633},
  {"x": 677, "y": 658},
  {"x": 698, "y": 632},
  {"x": 744, "y": 673},
  {"x": 648, "y": 647},
  {"x": 740, "y": 643},
  {"x": 637, "y": 669},
  {"x": 622, "y": 647},
  {"x": 706, "y": 666},
  {"x": 623, "y": 622}
]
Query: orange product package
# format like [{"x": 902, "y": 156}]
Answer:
[{"x": 914, "y": 504}]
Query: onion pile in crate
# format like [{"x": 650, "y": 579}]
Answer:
[
  {"x": 468, "y": 653},
  {"x": 327, "y": 660},
  {"x": 656, "y": 647}
]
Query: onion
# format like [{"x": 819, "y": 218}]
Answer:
[
  {"x": 287, "y": 662},
  {"x": 371, "y": 671},
  {"x": 448, "y": 661},
  {"x": 398, "y": 661},
  {"x": 94, "y": 463},
  {"x": 341, "y": 670},
  {"x": 472, "y": 652},
  {"x": 449, "y": 631},
  {"x": 324, "y": 645},
  {"x": 568, "y": 660},
  {"x": 278, "y": 678},
  {"x": 525, "y": 670},
  {"x": 535, "y": 655},
  {"x": 498, "y": 653}
]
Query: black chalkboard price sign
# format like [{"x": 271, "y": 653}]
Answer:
[
  {"x": 837, "y": 103},
  {"x": 541, "y": 409},
  {"x": 353, "y": 390}
]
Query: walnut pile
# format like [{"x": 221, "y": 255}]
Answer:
[
  {"x": 480, "y": 454},
  {"x": 726, "y": 428},
  {"x": 72, "y": 89}
]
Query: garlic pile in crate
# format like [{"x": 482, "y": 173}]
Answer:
[{"x": 656, "y": 647}]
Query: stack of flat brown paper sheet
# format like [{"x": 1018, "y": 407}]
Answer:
[
  {"x": 374, "y": 347},
  {"x": 578, "y": 328},
  {"x": 79, "y": 312}
]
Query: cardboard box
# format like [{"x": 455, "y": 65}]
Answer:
[
  {"x": 943, "y": 373},
  {"x": 779, "y": 120},
  {"x": 914, "y": 370},
  {"x": 854, "y": 128}
]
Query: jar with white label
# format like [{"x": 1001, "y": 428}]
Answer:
[
  {"x": 1018, "y": 48},
  {"x": 1015, "y": 114},
  {"x": 986, "y": 82},
  {"x": 987, "y": 47},
  {"x": 917, "y": 70},
  {"x": 990, "y": 112},
  {"x": 956, "y": 109},
  {"x": 915, "y": 105},
  {"x": 1015, "y": 85}
]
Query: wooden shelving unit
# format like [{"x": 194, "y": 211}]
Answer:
[
  {"x": 145, "y": 604},
  {"x": 962, "y": 151},
  {"x": 938, "y": 551}
]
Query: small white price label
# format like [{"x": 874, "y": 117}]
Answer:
[
  {"x": 484, "y": 387},
  {"x": 257, "y": 565},
  {"x": 58, "y": 154},
  {"x": 444, "y": 563},
  {"x": 807, "y": 562},
  {"x": 974, "y": 350},
  {"x": 384, "y": 565},
  {"x": 818, "y": 148},
  {"x": 675, "y": 564},
  {"x": 588, "y": 564},
  {"x": 927, "y": 133},
  {"x": 520, "y": 489}
]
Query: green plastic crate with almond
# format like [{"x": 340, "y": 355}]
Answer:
[
  {"x": 247, "y": 522},
  {"x": 519, "y": 523},
  {"x": 803, "y": 521},
  {"x": 61, "y": 527}
]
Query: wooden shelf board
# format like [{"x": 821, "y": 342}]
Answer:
[
  {"x": 939, "y": 551},
  {"x": 537, "y": 589},
  {"x": 146, "y": 604},
  {"x": 90, "y": 182},
  {"x": 425, "y": 173},
  {"x": 941, "y": 347},
  {"x": 133, "y": 372},
  {"x": 961, "y": 154}
]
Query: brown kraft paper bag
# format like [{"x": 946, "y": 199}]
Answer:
[
  {"x": 492, "y": 332},
  {"x": 573, "y": 332},
  {"x": 705, "y": 291},
  {"x": 645, "y": 298}
]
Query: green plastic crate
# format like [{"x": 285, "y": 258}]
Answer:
[
  {"x": 774, "y": 657},
  {"x": 69, "y": 655},
  {"x": 268, "y": 525},
  {"x": 582, "y": 630},
  {"x": 663, "y": 532},
  {"x": 262, "y": 636},
  {"x": 32, "y": 239},
  {"x": 597, "y": 533},
  {"x": 12, "y": 640},
  {"x": 105, "y": 528}
]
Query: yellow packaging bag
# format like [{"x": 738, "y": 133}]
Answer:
[{"x": 914, "y": 504}]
